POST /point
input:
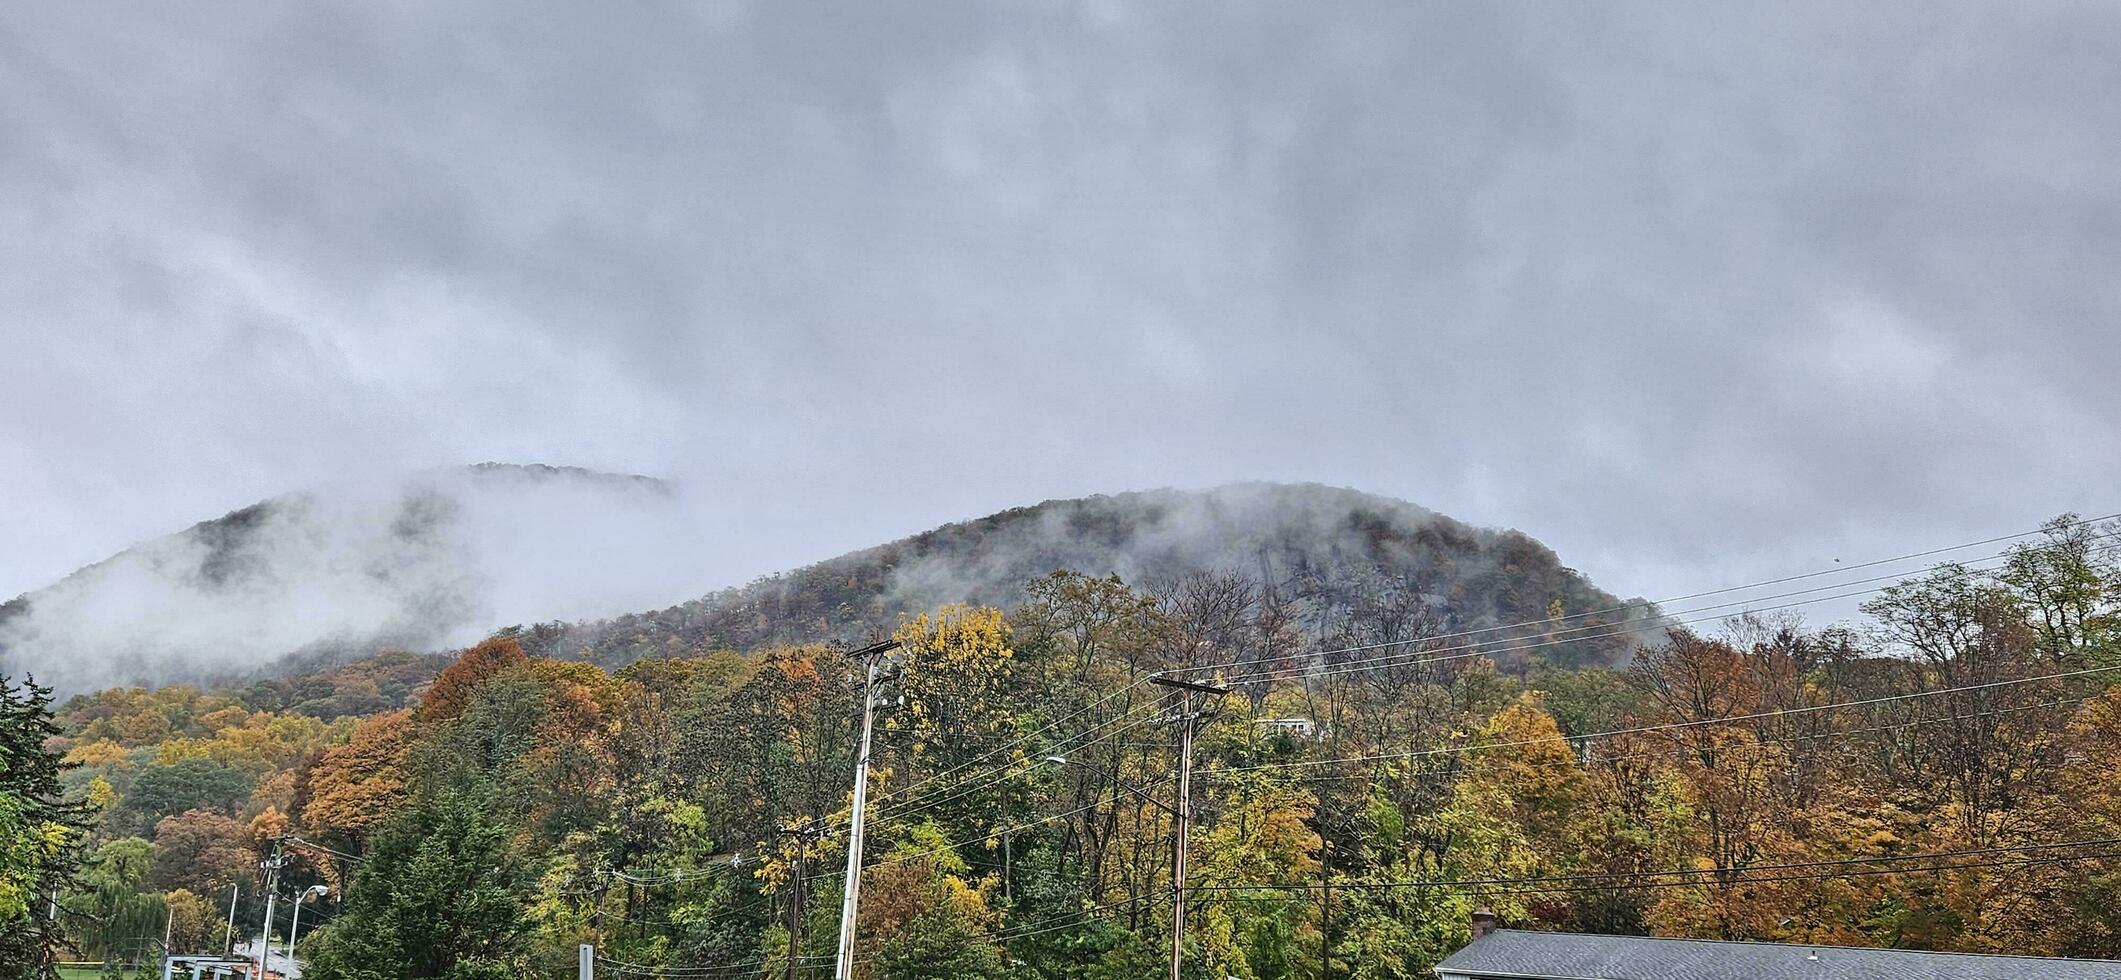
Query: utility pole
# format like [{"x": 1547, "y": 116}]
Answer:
[
  {"x": 1008, "y": 899},
  {"x": 873, "y": 657},
  {"x": 805, "y": 836},
  {"x": 1184, "y": 811},
  {"x": 272, "y": 868},
  {"x": 1325, "y": 914}
]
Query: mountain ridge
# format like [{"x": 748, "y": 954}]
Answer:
[
  {"x": 1323, "y": 546},
  {"x": 305, "y": 579}
]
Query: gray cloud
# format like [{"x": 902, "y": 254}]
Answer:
[{"x": 1694, "y": 294}]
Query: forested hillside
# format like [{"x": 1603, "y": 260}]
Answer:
[
  {"x": 1948, "y": 775},
  {"x": 1339, "y": 565}
]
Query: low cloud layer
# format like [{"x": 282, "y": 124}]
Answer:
[
  {"x": 1696, "y": 294},
  {"x": 430, "y": 562}
]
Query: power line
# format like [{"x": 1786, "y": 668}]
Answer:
[
  {"x": 885, "y": 812},
  {"x": 1806, "y": 737},
  {"x": 1668, "y": 726},
  {"x": 1731, "y": 881},
  {"x": 1076, "y": 918},
  {"x": 1486, "y": 648},
  {"x": 671, "y": 876},
  {"x": 709, "y": 972},
  {"x": 314, "y": 846},
  {"x": 953, "y": 845},
  {"x": 1628, "y": 606},
  {"x": 973, "y": 784},
  {"x": 1675, "y": 872}
]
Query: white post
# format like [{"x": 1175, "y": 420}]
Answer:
[
  {"x": 228, "y": 939},
  {"x": 169, "y": 963},
  {"x": 588, "y": 962},
  {"x": 294, "y": 929}
]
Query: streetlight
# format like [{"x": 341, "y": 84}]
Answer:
[{"x": 295, "y": 931}]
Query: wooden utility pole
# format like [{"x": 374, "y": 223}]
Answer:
[
  {"x": 1183, "y": 812},
  {"x": 1325, "y": 903},
  {"x": 1008, "y": 857},
  {"x": 805, "y": 835},
  {"x": 850, "y": 904}
]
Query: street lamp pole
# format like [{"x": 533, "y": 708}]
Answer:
[{"x": 294, "y": 931}]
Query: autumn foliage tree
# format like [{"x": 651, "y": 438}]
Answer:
[{"x": 452, "y": 689}]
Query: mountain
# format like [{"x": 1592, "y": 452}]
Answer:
[
  {"x": 1324, "y": 552},
  {"x": 441, "y": 559},
  {"x": 429, "y": 561}
]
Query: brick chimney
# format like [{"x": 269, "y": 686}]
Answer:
[{"x": 1483, "y": 922}]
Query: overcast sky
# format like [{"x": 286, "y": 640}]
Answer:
[{"x": 1695, "y": 294}]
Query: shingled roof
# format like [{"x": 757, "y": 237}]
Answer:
[{"x": 1508, "y": 954}]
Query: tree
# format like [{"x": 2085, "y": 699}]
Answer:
[
  {"x": 437, "y": 897},
  {"x": 115, "y": 908},
  {"x": 192, "y": 923},
  {"x": 933, "y": 923},
  {"x": 452, "y": 688},
  {"x": 41, "y": 832},
  {"x": 201, "y": 849},
  {"x": 1969, "y": 635},
  {"x": 193, "y": 784},
  {"x": 953, "y": 677},
  {"x": 352, "y": 788},
  {"x": 2070, "y": 580}
]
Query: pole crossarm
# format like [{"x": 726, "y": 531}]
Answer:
[{"x": 1165, "y": 680}]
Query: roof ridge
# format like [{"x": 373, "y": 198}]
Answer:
[{"x": 1759, "y": 942}]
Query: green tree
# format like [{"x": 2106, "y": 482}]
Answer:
[
  {"x": 116, "y": 905},
  {"x": 40, "y": 831},
  {"x": 193, "y": 784},
  {"x": 436, "y": 897}
]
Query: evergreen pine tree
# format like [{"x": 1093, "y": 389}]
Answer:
[{"x": 41, "y": 832}]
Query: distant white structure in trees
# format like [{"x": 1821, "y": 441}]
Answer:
[{"x": 1297, "y": 727}]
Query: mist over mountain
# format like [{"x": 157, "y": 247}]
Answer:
[
  {"x": 1328, "y": 556},
  {"x": 428, "y": 561},
  {"x": 443, "y": 558}
]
